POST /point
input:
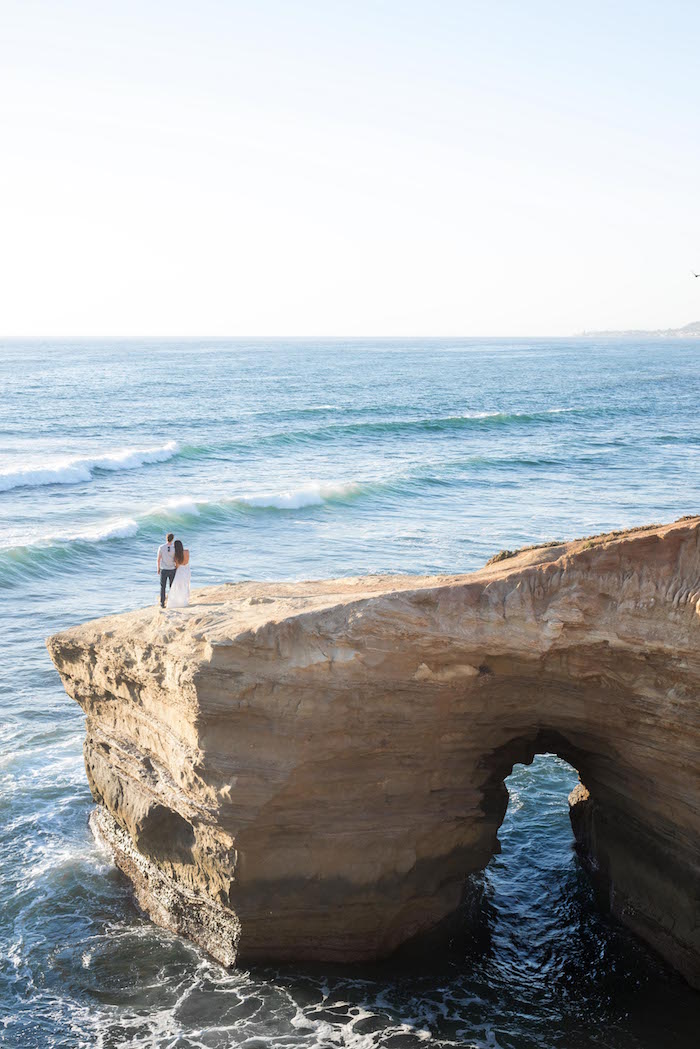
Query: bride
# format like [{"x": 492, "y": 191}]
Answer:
[{"x": 179, "y": 596}]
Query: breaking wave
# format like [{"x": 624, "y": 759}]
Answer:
[
  {"x": 118, "y": 528},
  {"x": 314, "y": 493},
  {"x": 82, "y": 469},
  {"x": 296, "y": 499},
  {"x": 78, "y": 470},
  {"x": 46, "y": 554}
]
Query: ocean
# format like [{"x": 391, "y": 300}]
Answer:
[{"x": 309, "y": 458}]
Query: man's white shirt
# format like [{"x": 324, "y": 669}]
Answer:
[{"x": 166, "y": 553}]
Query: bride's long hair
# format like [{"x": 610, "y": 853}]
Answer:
[{"x": 179, "y": 553}]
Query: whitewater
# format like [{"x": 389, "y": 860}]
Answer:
[
  {"x": 302, "y": 459},
  {"x": 72, "y": 471}
]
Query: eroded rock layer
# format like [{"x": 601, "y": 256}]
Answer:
[{"x": 310, "y": 770}]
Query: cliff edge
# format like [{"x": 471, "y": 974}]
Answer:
[{"x": 310, "y": 770}]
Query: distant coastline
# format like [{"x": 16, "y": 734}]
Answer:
[{"x": 690, "y": 331}]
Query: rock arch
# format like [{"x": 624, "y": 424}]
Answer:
[{"x": 339, "y": 748}]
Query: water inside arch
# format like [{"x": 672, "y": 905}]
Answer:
[
  {"x": 535, "y": 891},
  {"x": 535, "y": 935}
]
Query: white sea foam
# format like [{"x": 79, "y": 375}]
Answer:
[
  {"x": 117, "y": 528},
  {"x": 515, "y": 415},
  {"x": 314, "y": 494},
  {"x": 77, "y": 470},
  {"x": 179, "y": 505}
]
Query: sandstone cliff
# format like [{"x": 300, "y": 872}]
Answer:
[{"x": 309, "y": 770}]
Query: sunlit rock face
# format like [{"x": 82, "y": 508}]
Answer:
[{"x": 310, "y": 770}]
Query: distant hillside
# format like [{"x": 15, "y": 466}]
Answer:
[{"x": 690, "y": 331}]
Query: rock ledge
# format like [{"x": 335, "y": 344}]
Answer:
[{"x": 310, "y": 770}]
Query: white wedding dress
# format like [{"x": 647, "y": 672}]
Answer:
[{"x": 179, "y": 596}]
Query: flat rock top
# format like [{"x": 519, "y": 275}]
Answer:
[{"x": 220, "y": 614}]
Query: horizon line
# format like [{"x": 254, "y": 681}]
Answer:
[{"x": 503, "y": 335}]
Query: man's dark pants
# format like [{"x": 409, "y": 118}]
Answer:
[{"x": 165, "y": 575}]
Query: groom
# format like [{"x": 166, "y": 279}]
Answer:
[{"x": 166, "y": 565}]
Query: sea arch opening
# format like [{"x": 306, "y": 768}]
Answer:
[
  {"x": 532, "y": 927},
  {"x": 534, "y": 897},
  {"x": 498, "y": 767},
  {"x": 560, "y": 835},
  {"x": 521, "y": 904}
]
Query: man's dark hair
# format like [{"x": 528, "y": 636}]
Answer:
[{"x": 170, "y": 536}]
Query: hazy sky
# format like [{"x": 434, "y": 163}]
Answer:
[{"x": 412, "y": 168}]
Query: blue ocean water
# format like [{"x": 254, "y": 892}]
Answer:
[{"x": 298, "y": 459}]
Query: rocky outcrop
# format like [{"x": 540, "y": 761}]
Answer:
[{"x": 310, "y": 770}]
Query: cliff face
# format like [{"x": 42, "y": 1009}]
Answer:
[{"x": 310, "y": 770}]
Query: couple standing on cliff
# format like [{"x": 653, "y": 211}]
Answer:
[{"x": 174, "y": 568}]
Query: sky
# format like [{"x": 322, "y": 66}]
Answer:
[{"x": 348, "y": 168}]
